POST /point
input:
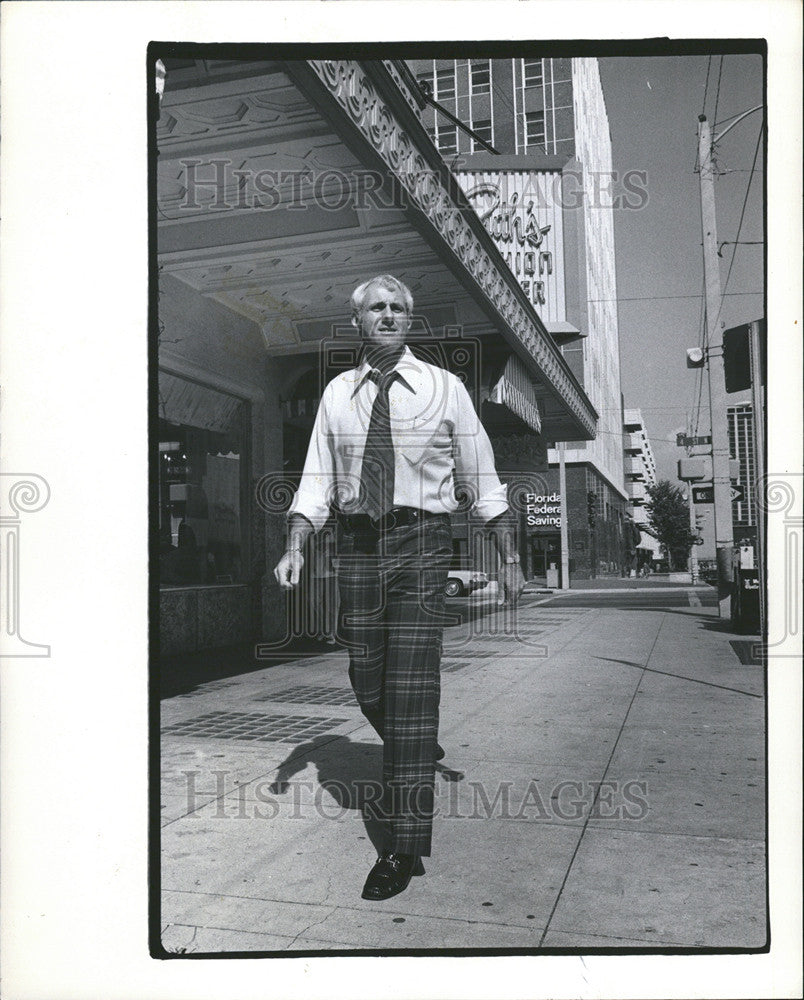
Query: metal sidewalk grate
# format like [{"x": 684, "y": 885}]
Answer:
[
  {"x": 254, "y": 726},
  {"x": 311, "y": 694}
]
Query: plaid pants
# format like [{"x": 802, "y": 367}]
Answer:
[{"x": 392, "y": 622}]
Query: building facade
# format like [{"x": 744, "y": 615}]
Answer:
[
  {"x": 542, "y": 195},
  {"x": 279, "y": 187},
  {"x": 640, "y": 473}
]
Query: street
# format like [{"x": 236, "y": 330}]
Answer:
[{"x": 633, "y": 598}]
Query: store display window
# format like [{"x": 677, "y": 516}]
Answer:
[{"x": 202, "y": 437}]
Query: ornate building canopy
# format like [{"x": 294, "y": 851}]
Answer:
[{"x": 282, "y": 185}]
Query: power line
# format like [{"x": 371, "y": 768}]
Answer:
[
  {"x": 698, "y": 390},
  {"x": 703, "y": 110},
  {"x": 706, "y": 87},
  {"x": 655, "y": 298},
  {"x": 745, "y": 203},
  {"x": 730, "y": 118},
  {"x": 739, "y": 228},
  {"x": 717, "y": 94},
  {"x": 711, "y": 152},
  {"x": 644, "y": 409},
  {"x": 650, "y": 437}
]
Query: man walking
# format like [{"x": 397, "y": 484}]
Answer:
[{"x": 392, "y": 441}]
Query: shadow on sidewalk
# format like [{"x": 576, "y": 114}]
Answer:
[{"x": 350, "y": 773}]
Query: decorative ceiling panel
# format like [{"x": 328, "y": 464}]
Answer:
[
  {"x": 338, "y": 258},
  {"x": 307, "y": 171},
  {"x": 267, "y": 106}
]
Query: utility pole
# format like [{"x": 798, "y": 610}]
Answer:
[
  {"x": 718, "y": 402},
  {"x": 562, "y": 486}
]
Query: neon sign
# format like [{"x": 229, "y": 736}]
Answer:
[{"x": 517, "y": 232}]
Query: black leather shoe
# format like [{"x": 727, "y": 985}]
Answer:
[{"x": 391, "y": 875}]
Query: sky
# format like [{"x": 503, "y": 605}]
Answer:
[{"x": 653, "y": 105}]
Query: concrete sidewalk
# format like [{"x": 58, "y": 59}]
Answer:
[
  {"x": 603, "y": 788},
  {"x": 658, "y": 581}
]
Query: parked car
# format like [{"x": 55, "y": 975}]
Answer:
[{"x": 461, "y": 582}]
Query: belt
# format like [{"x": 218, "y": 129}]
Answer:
[{"x": 396, "y": 517}]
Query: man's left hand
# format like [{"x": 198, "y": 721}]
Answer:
[{"x": 511, "y": 583}]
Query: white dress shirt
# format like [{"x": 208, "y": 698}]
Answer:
[{"x": 439, "y": 443}]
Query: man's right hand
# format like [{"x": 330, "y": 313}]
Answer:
[{"x": 288, "y": 569}]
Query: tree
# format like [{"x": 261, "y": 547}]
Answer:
[{"x": 669, "y": 515}]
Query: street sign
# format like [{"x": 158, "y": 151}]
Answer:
[
  {"x": 703, "y": 494},
  {"x": 685, "y": 441},
  {"x": 706, "y": 494}
]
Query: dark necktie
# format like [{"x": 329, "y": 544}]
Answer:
[{"x": 377, "y": 472}]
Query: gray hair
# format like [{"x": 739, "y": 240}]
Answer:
[{"x": 385, "y": 281}]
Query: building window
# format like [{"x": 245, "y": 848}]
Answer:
[
  {"x": 533, "y": 72},
  {"x": 480, "y": 70},
  {"x": 445, "y": 83},
  {"x": 448, "y": 140},
  {"x": 534, "y": 129},
  {"x": 483, "y": 129},
  {"x": 202, "y": 435}
]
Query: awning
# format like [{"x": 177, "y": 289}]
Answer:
[
  {"x": 514, "y": 389},
  {"x": 184, "y": 402}
]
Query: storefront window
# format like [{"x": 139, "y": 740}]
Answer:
[{"x": 202, "y": 435}]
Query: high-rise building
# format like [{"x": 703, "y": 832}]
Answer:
[
  {"x": 542, "y": 196},
  {"x": 640, "y": 473},
  {"x": 517, "y": 105}
]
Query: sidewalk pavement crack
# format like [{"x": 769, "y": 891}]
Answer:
[
  {"x": 345, "y": 907},
  {"x": 322, "y": 742},
  {"x": 315, "y": 923},
  {"x": 680, "y": 677},
  {"x": 600, "y": 785}
]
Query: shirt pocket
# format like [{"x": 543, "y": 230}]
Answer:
[{"x": 416, "y": 446}]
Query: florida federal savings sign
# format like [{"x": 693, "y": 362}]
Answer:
[
  {"x": 543, "y": 510},
  {"x": 526, "y": 223}
]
